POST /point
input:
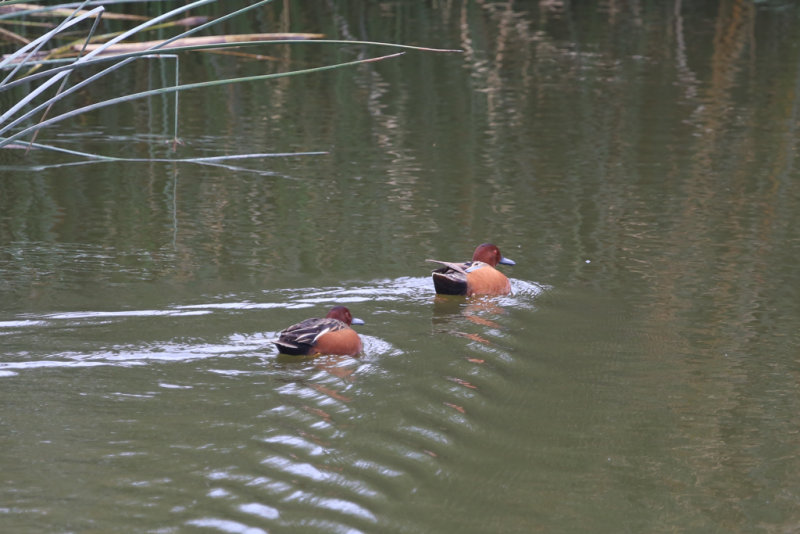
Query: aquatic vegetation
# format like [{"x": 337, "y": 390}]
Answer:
[{"x": 47, "y": 74}]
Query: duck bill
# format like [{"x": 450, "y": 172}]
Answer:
[
  {"x": 506, "y": 261},
  {"x": 356, "y": 320}
]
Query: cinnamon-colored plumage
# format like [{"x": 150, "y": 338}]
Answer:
[
  {"x": 476, "y": 277},
  {"x": 329, "y": 335}
]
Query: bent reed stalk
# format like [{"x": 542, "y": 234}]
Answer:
[{"x": 29, "y": 55}]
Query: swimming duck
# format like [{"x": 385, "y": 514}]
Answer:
[
  {"x": 476, "y": 277},
  {"x": 329, "y": 335}
]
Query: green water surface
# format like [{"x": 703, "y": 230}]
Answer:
[{"x": 636, "y": 160}]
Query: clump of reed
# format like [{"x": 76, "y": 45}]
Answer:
[{"x": 46, "y": 68}]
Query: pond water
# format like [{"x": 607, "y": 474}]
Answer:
[{"x": 635, "y": 160}]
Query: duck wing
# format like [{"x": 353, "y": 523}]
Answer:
[
  {"x": 458, "y": 267},
  {"x": 451, "y": 278},
  {"x": 301, "y": 337}
]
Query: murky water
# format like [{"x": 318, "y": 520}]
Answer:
[{"x": 636, "y": 161}]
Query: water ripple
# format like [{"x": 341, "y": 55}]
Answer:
[
  {"x": 325, "y": 444},
  {"x": 260, "y": 510},
  {"x": 225, "y": 525}
]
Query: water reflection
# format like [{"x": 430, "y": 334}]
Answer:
[
  {"x": 640, "y": 156},
  {"x": 447, "y": 309},
  {"x": 449, "y": 312}
]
